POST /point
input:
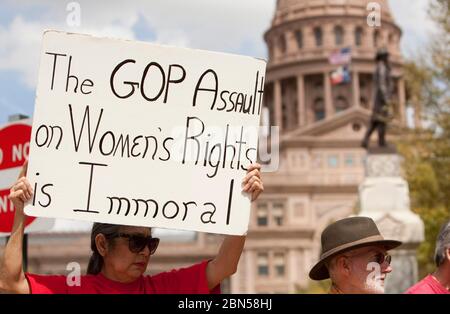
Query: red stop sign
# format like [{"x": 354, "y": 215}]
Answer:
[{"x": 14, "y": 148}]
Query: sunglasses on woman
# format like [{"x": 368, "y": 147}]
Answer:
[{"x": 137, "y": 242}]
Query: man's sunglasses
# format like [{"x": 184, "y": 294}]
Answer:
[
  {"x": 136, "y": 242},
  {"x": 380, "y": 258}
]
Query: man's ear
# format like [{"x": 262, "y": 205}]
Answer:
[
  {"x": 447, "y": 254},
  {"x": 344, "y": 265},
  {"x": 102, "y": 244}
]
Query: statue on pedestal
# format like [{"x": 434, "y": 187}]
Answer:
[{"x": 381, "y": 106}]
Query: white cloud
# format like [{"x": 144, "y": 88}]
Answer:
[
  {"x": 21, "y": 43},
  {"x": 413, "y": 18},
  {"x": 20, "y": 49},
  {"x": 224, "y": 25},
  {"x": 220, "y": 25}
]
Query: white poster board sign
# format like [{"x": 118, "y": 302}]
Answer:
[{"x": 138, "y": 134}]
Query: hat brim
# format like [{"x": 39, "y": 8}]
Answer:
[{"x": 320, "y": 271}]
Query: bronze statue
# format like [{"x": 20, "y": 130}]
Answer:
[{"x": 381, "y": 106}]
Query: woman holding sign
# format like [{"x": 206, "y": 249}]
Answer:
[{"x": 120, "y": 257}]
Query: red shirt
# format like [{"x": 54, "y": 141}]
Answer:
[
  {"x": 190, "y": 280},
  {"x": 428, "y": 285}
]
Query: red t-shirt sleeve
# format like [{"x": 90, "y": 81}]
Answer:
[
  {"x": 47, "y": 284},
  {"x": 189, "y": 280},
  {"x": 428, "y": 285}
]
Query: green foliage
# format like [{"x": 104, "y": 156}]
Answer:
[
  {"x": 433, "y": 220},
  {"x": 316, "y": 287},
  {"x": 427, "y": 195},
  {"x": 427, "y": 152}
]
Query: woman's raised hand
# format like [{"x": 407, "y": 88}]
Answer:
[
  {"x": 21, "y": 191},
  {"x": 252, "y": 182}
]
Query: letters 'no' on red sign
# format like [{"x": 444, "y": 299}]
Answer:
[{"x": 14, "y": 149}]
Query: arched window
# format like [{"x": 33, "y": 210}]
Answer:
[
  {"x": 271, "y": 49},
  {"x": 319, "y": 109},
  {"x": 284, "y": 114},
  {"x": 282, "y": 43},
  {"x": 341, "y": 103},
  {"x": 318, "y": 36},
  {"x": 299, "y": 38},
  {"x": 376, "y": 39},
  {"x": 364, "y": 103},
  {"x": 391, "y": 39},
  {"x": 338, "y": 35},
  {"x": 358, "y": 36},
  {"x": 318, "y": 84}
]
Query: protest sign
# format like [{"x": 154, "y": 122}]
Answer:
[{"x": 132, "y": 133}]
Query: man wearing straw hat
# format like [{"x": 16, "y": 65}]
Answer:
[{"x": 354, "y": 256}]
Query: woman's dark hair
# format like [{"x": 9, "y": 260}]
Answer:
[
  {"x": 96, "y": 261},
  {"x": 108, "y": 230}
]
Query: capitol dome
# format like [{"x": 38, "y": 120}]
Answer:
[{"x": 302, "y": 37}]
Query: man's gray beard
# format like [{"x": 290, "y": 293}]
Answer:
[{"x": 374, "y": 286}]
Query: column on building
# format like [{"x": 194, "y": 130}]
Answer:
[
  {"x": 329, "y": 110},
  {"x": 291, "y": 42},
  {"x": 275, "y": 48},
  {"x": 328, "y": 35},
  {"x": 384, "y": 37},
  {"x": 308, "y": 37},
  {"x": 368, "y": 37},
  {"x": 392, "y": 47},
  {"x": 355, "y": 88},
  {"x": 301, "y": 100},
  {"x": 249, "y": 271},
  {"x": 349, "y": 31},
  {"x": 290, "y": 100},
  {"x": 397, "y": 44},
  {"x": 292, "y": 269},
  {"x": 235, "y": 280},
  {"x": 278, "y": 104},
  {"x": 309, "y": 258}
]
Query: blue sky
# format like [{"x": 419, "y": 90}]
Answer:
[{"x": 234, "y": 26}]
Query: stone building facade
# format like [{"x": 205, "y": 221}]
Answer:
[
  {"x": 321, "y": 127},
  {"x": 321, "y": 161}
]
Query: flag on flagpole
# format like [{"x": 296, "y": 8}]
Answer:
[
  {"x": 342, "y": 56},
  {"x": 340, "y": 76}
]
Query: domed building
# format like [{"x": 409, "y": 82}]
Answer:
[
  {"x": 303, "y": 36},
  {"x": 321, "y": 163},
  {"x": 321, "y": 124}
]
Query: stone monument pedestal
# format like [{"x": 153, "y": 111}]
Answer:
[{"x": 384, "y": 197}]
